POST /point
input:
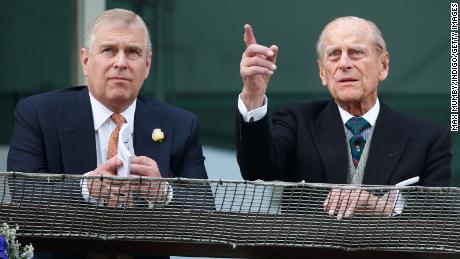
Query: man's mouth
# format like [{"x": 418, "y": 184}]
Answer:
[
  {"x": 119, "y": 78},
  {"x": 347, "y": 80}
]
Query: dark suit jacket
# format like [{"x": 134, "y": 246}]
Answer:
[
  {"x": 54, "y": 133},
  {"x": 307, "y": 142}
]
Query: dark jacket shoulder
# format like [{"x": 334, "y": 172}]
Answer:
[{"x": 166, "y": 110}]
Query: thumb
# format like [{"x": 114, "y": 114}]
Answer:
[{"x": 113, "y": 164}]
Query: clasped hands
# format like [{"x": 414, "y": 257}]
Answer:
[
  {"x": 120, "y": 192},
  {"x": 347, "y": 202}
]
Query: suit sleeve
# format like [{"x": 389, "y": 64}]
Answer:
[
  {"x": 27, "y": 153},
  {"x": 263, "y": 152},
  {"x": 438, "y": 171},
  {"x": 27, "y": 149}
]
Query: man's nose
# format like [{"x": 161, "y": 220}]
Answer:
[
  {"x": 345, "y": 61},
  {"x": 120, "y": 60}
]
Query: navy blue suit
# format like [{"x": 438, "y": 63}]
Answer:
[
  {"x": 307, "y": 142},
  {"x": 54, "y": 133}
]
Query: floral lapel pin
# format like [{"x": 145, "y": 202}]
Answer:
[{"x": 158, "y": 136}]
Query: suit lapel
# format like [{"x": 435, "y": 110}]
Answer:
[
  {"x": 76, "y": 134},
  {"x": 146, "y": 118},
  {"x": 329, "y": 136},
  {"x": 387, "y": 147}
]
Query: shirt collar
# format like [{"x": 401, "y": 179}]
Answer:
[
  {"x": 101, "y": 113},
  {"x": 370, "y": 116}
]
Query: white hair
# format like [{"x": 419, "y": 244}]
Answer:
[
  {"x": 376, "y": 34},
  {"x": 117, "y": 17}
]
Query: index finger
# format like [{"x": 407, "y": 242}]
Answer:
[
  {"x": 249, "y": 37},
  {"x": 142, "y": 160}
]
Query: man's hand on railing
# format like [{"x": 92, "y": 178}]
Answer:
[
  {"x": 120, "y": 192},
  {"x": 108, "y": 191},
  {"x": 347, "y": 202},
  {"x": 152, "y": 191}
]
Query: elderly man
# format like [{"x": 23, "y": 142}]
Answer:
[{"x": 353, "y": 138}]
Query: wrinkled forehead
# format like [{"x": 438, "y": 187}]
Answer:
[
  {"x": 341, "y": 33},
  {"x": 111, "y": 32}
]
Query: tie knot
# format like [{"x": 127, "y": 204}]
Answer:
[
  {"x": 118, "y": 119},
  {"x": 357, "y": 124}
]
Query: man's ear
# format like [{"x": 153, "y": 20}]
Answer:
[
  {"x": 384, "y": 66},
  {"x": 147, "y": 67},
  {"x": 84, "y": 58},
  {"x": 322, "y": 73}
]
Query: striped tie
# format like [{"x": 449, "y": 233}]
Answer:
[{"x": 357, "y": 125}]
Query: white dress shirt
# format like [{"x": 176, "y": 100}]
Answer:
[
  {"x": 104, "y": 125},
  {"x": 103, "y": 128}
]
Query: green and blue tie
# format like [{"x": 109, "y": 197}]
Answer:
[{"x": 357, "y": 125}]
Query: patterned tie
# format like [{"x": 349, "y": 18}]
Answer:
[
  {"x": 357, "y": 125},
  {"x": 113, "y": 140}
]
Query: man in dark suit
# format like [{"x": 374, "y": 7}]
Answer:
[
  {"x": 70, "y": 130},
  {"x": 352, "y": 138}
]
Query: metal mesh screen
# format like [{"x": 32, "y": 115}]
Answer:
[{"x": 238, "y": 213}]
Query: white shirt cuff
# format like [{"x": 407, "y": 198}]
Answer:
[
  {"x": 169, "y": 196},
  {"x": 254, "y": 115},
  {"x": 399, "y": 202},
  {"x": 399, "y": 205},
  {"x": 85, "y": 192}
]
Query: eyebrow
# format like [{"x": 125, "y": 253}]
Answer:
[
  {"x": 128, "y": 46},
  {"x": 359, "y": 47},
  {"x": 134, "y": 47}
]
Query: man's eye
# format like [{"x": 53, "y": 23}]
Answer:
[
  {"x": 356, "y": 52},
  {"x": 333, "y": 53},
  {"x": 133, "y": 52}
]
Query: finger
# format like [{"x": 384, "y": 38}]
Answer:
[
  {"x": 366, "y": 201},
  {"x": 143, "y": 160},
  {"x": 334, "y": 201},
  {"x": 352, "y": 205},
  {"x": 144, "y": 166},
  {"x": 108, "y": 168},
  {"x": 113, "y": 163},
  {"x": 326, "y": 202},
  {"x": 253, "y": 71},
  {"x": 249, "y": 37},
  {"x": 98, "y": 189},
  {"x": 259, "y": 62},
  {"x": 344, "y": 201},
  {"x": 256, "y": 49},
  {"x": 112, "y": 203},
  {"x": 145, "y": 170},
  {"x": 275, "y": 49}
]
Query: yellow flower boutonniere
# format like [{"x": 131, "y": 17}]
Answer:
[{"x": 158, "y": 136}]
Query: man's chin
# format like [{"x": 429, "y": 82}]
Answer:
[
  {"x": 120, "y": 100},
  {"x": 349, "y": 98}
]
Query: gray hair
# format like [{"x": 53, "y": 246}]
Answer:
[
  {"x": 117, "y": 17},
  {"x": 375, "y": 33}
]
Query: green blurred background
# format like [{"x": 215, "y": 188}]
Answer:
[{"x": 198, "y": 46}]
